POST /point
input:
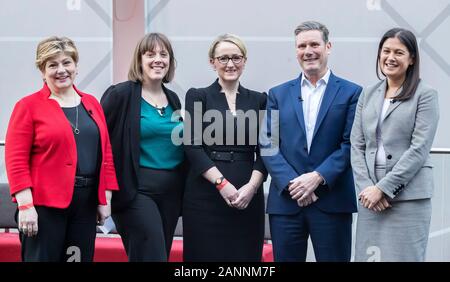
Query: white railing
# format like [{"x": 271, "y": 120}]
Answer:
[
  {"x": 433, "y": 150},
  {"x": 440, "y": 151}
]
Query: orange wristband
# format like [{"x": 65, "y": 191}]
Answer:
[
  {"x": 25, "y": 207},
  {"x": 221, "y": 185}
]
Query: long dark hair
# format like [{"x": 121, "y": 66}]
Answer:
[{"x": 412, "y": 78}]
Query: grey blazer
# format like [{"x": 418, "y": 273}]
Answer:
[{"x": 407, "y": 131}]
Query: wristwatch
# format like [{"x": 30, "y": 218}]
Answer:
[{"x": 219, "y": 181}]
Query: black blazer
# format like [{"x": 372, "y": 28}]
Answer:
[
  {"x": 211, "y": 98},
  {"x": 122, "y": 106}
]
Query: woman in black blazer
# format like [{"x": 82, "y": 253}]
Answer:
[
  {"x": 142, "y": 114},
  {"x": 223, "y": 208}
]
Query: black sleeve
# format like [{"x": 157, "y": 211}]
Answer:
[
  {"x": 177, "y": 101},
  {"x": 195, "y": 152},
  {"x": 109, "y": 102},
  {"x": 259, "y": 165}
]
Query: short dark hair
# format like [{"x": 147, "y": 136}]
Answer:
[
  {"x": 149, "y": 43},
  {"x": 412, "y": 78},
  {"x": 313, "y": 25}
]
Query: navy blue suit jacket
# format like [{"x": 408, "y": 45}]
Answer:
[{"x": 330, "y": 148}]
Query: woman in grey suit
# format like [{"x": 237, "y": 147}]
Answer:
[{"x": 394, "y": 128}]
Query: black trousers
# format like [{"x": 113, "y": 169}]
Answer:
[
  {"x": 64, "y": 234},
  {"x": 148, "y": 224}
]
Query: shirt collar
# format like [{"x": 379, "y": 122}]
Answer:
[
  {"x": 323, "y": 80},
  {"x": 216, "y": 85}
]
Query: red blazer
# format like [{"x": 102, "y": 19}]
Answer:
[{"x": 40, "y": 150}]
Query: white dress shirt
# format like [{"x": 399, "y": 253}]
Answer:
[{"x": 312, "y": 99}]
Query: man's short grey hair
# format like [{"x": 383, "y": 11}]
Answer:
[{"x": 312, "y": 25}]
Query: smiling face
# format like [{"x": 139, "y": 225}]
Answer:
[
  {"x": 394, "y": 59},
  {"x": 155, "y": 64},
  {"x": 232, "y": 70},
  {"x": 312, "y": 53},
  {"x": 59, "y": 72}
]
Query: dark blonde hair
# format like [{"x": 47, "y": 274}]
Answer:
[
  {"x": 53, "y": 46},
  {"x": 231, "y": 38},
  {"x": 149, "y": 43}
]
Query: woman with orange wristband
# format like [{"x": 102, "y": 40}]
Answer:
[
  {"x": 223, "y": 210},
  {"x": 59, "y": 161}
]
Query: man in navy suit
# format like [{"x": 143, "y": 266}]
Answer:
[{"x": 312, "y": 191}]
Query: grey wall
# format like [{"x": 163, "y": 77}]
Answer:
[
  {"x": 24, "y": 23},
  {"x": 265, "y": 25},
  {"x": 267, "y": 28}
]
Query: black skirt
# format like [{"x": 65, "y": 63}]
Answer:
[{"x": 213, "y": 231}]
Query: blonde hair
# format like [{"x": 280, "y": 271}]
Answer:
[
  {"x": 231, "y": 38},
  {"x": 53, "y": 46},
  {"x": 149, "y": 43}
]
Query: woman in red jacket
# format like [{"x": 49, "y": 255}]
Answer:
[{"x": 59, "y": 161}]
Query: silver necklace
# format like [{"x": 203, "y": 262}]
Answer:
[
  {"x": 161, "y": 111},
  {"x": 75, "y": 127}
]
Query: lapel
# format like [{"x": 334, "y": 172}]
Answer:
[
  {"x": 374, "y": 107},
  {"x": 171, "y": 98},
  {"x": 330, "y": 93},
  {"x": 242, "y": 98},
  {"x": 294, "y": 93},
  {"x": 378, "y": 99},
  {"x": 60, "y": 118},
  {"x": 393, "y": 106},
  {"x": 135, "y": 123}
]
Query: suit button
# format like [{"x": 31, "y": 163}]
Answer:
[{"x": 389, "y": 157}]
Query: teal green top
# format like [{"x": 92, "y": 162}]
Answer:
[{"x": 157, "y": 149}]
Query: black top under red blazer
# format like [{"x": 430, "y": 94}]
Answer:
[
  {"x": 122, "y": 106},
  {"x": 41, "y": 151}
]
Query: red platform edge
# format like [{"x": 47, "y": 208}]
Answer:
[{"x": 107, "y": 249}]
